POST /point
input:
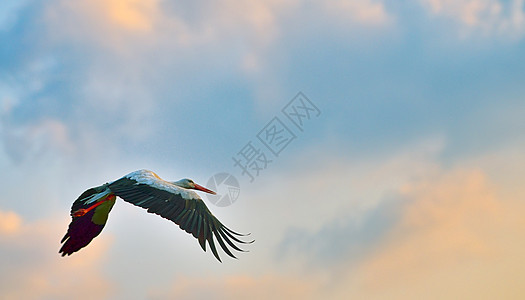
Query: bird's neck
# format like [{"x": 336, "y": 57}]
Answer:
[{"x": 179, "y": 183}]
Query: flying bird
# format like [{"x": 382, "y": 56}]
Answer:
[{"x": 175, "y": 201}]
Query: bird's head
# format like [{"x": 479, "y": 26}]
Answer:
[{"x": 189, "y": 184}]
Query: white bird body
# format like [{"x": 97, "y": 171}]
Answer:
[{"x": 150, "y": 178}]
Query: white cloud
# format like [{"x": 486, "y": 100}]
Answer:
[
  {"x": 491, "y": 17},
  {"x": 120, "y": 22},
  {"x": 130, "y": 38},
  {"x": 34, "y": 141}
]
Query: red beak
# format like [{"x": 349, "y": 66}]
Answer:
[{"x": 201, "y": 188}]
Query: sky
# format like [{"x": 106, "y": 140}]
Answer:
[{"x": 398, "y": 177}]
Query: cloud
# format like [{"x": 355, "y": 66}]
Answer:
[
  {"x": 356, "y": 200},
  {"x": 33, "y": 141},
  {"x": 8, "y": 12},
  {"x": 161, "y": 22},
  {"x": 365, "y": 12},
  {"x": 436, "y": 231},
  {"x": 133, "y": 42},
  {"x": 96, "y": 21},
  {"x": 10, "y": 223},
  {"x": 467, "y": 11},
  {"x": 32, "y": 267},
  {"x": 123, "y": 64},
  {"x": 488, "y": 16},
  {"x": 131, "y": 14},
  {"x": 347, "y": 238},
  {"x": 36, "y": 140},
  {"x": 94, "y": 88},
  {"x": 144, "y": 55},
  {"x": 269, "y": 286},
  {"x": 454, "y": 233},
  {"x": 445, "y": 219}
]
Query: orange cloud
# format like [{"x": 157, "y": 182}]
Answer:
[
  {"x": 114, "y": 24},
  {"x": 456, "y": 239},
  {"x": 457, "y": 233},
  {"x": 10, "y": 223},
  {"x": 135, "y": 15},
  {"x": 241, "y": 287},
  {"x": 33, "y": 269}
]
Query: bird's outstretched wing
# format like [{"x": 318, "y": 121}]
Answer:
[
  {"x": 184, "y": 207},
  {"x": 83, "y": 229}
]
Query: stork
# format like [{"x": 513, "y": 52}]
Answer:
[{"x": 175, "y": 201}]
